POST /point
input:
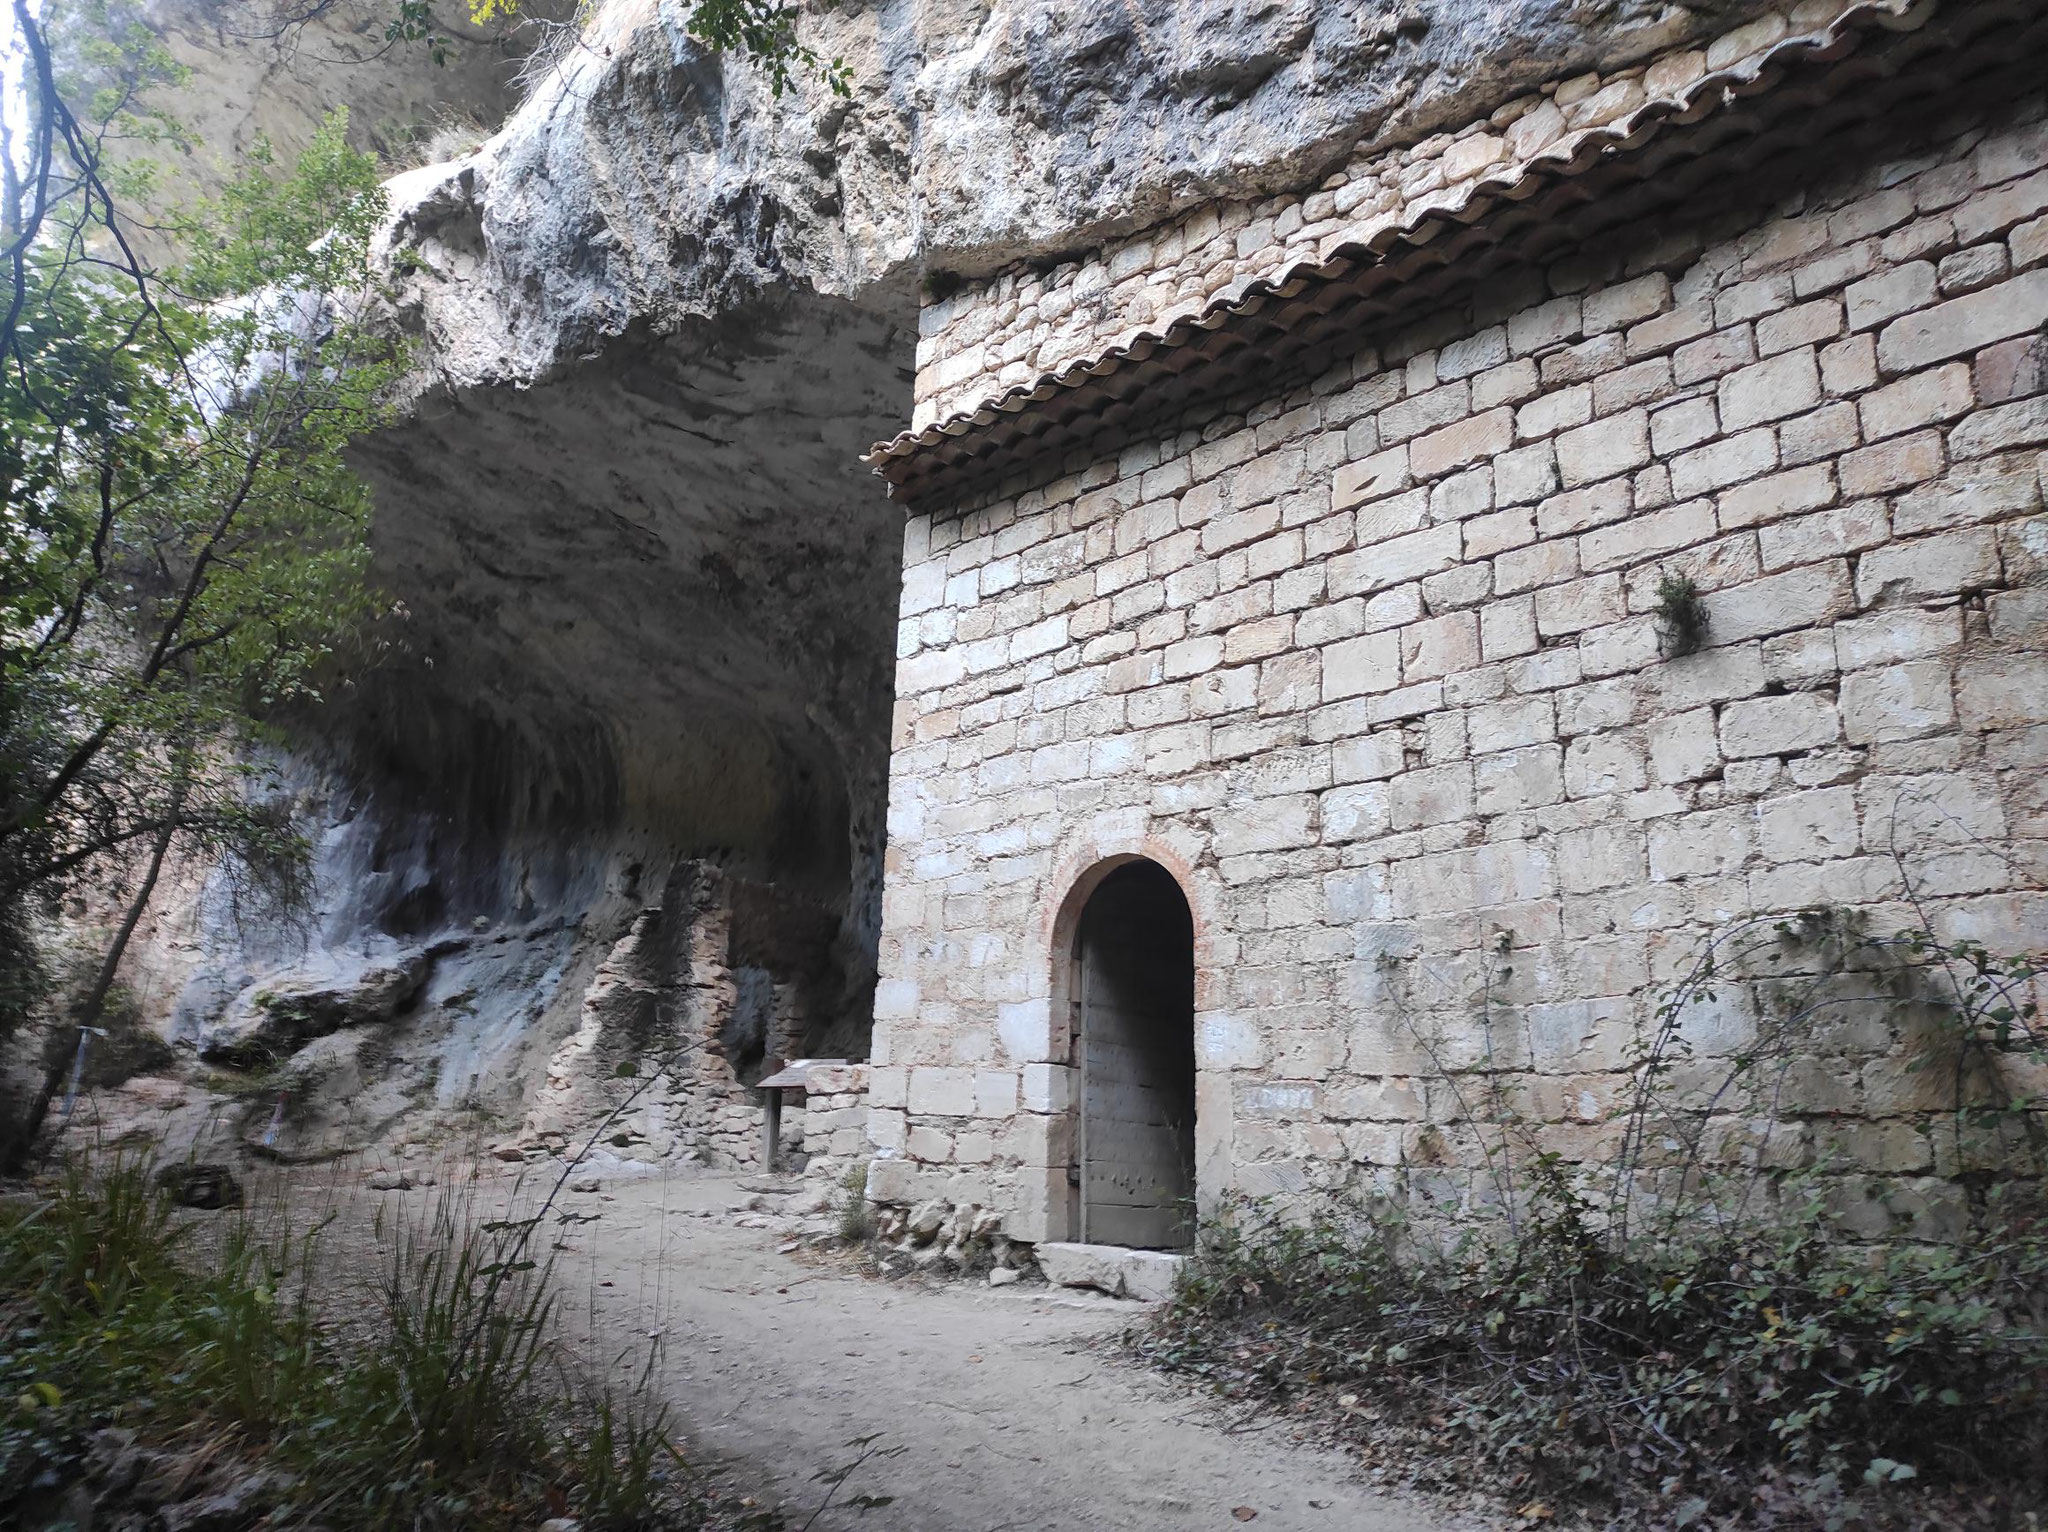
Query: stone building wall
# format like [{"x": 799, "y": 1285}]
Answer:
[
  {"x": 1375, "y": 670},
  {"x": 1007, "y": 331}
]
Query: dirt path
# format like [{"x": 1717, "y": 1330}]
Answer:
[{"x": 1007, "y": 1416}]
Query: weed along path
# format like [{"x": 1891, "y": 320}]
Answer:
[{"x": 997, "y": 1409}]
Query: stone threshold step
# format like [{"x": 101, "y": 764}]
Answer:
[{"x": 1147, "y": 1275}]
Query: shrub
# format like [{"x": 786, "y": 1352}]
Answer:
[
  {"x": 1684, "y": 1334},
  {"x": 1681, "y": 615},
  {"x": 1672, "y": 1376},
  {"x": 856, "y": 1217}
]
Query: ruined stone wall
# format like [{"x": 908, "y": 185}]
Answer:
[
  {"x": 703, "y": 995},
  {"x": 1376, "y": 670},
  {"x": 1029, "y": 320},
  {"x": 832, "y": 1128}
]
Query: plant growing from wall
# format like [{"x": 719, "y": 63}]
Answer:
[
  {"x": 856, "y": 1214},
  {"x": 1681, "y": 614}
]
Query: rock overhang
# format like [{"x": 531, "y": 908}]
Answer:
[{"x": 666, "y": 565}]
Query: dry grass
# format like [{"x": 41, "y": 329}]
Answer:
[{"x": 445, "y": 1398}]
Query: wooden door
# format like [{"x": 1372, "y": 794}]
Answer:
[{"x": 1136, "y": 1051}]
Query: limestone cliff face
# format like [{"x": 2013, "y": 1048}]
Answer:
[
  {"x": 651, "y": 591},
  {"x": 275, "y": 69}
]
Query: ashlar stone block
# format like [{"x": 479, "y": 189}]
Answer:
[
  {"x": 1598, "y": 764},
  {"x": 1684, "y": 747},
  {"x": 1227, "y": 1040},
  {"x": 1618, "y": 445},
  {"x": 1810, "y": 827},
  {"x": 1786, "y": 384},
  {"x": 1372, "y": 478},
  {"x": 2023, "y": 423},
  {"x": 1929, "y": 566},
  {"x": 1369, "y": 757},
  {"x": 1779, "y": 725},
  {"x": 1797, "y": 598},
  {"x": 1963, "y": 325},
  {"x": 1510, "y": 724},
  {"x": 1047, "y": 1088},
  {"x": 1441, "y": 646},
  {"x": 1433, "y": 795},
  {"x": 1463, "y": 444},
  {"x": 1722, "y": 463},
  {"x": 1025, "y": 1029},
  {"x": 941, "y": 1092},
  {"x": 1363, "y": 665},
  {"x": 1972, "y": 492},
  {"x": 1518, "y": 780},
  {"x": 1265, "y": 824},
  {"x": 1600, "y": 857},
  {"x": 1507, "y": 627},
  {"x": 1581, "y": 604},
  {"x": 1356, "y": 812},
  {"x": 1899, "y": 702},
  {"x": 1709, "y": 844},
  {"x": 1904, "y": 633}
]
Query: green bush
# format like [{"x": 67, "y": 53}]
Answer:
[
  {"x": 1667, "y": 1375},
  {"x": 444, "y": 1405},
  {"x": 856, "y": 1218},
  {"x": 1684, "y": 1334}
]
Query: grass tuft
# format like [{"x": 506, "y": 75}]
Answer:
[
  {"x": 856, "y": 1217},
  {"x": 443, "y": 1403}
]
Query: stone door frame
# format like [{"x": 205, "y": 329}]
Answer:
[{"x": 1082, "y": 871}]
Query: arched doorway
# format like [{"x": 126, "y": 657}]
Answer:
[{"x": 1133, "y": 999}]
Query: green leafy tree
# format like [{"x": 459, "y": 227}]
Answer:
[
  {"x": 764, "y": 30},
  {"x": 183, "y": 549}
]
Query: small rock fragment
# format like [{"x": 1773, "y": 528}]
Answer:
[
  {"x": 926, "y": 1219},
  {"x": 235, "y": 1506},
  {"x": 207, "y": 1184}
]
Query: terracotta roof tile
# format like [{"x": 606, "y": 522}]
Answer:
[{"x": 1807, "y": 86}]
